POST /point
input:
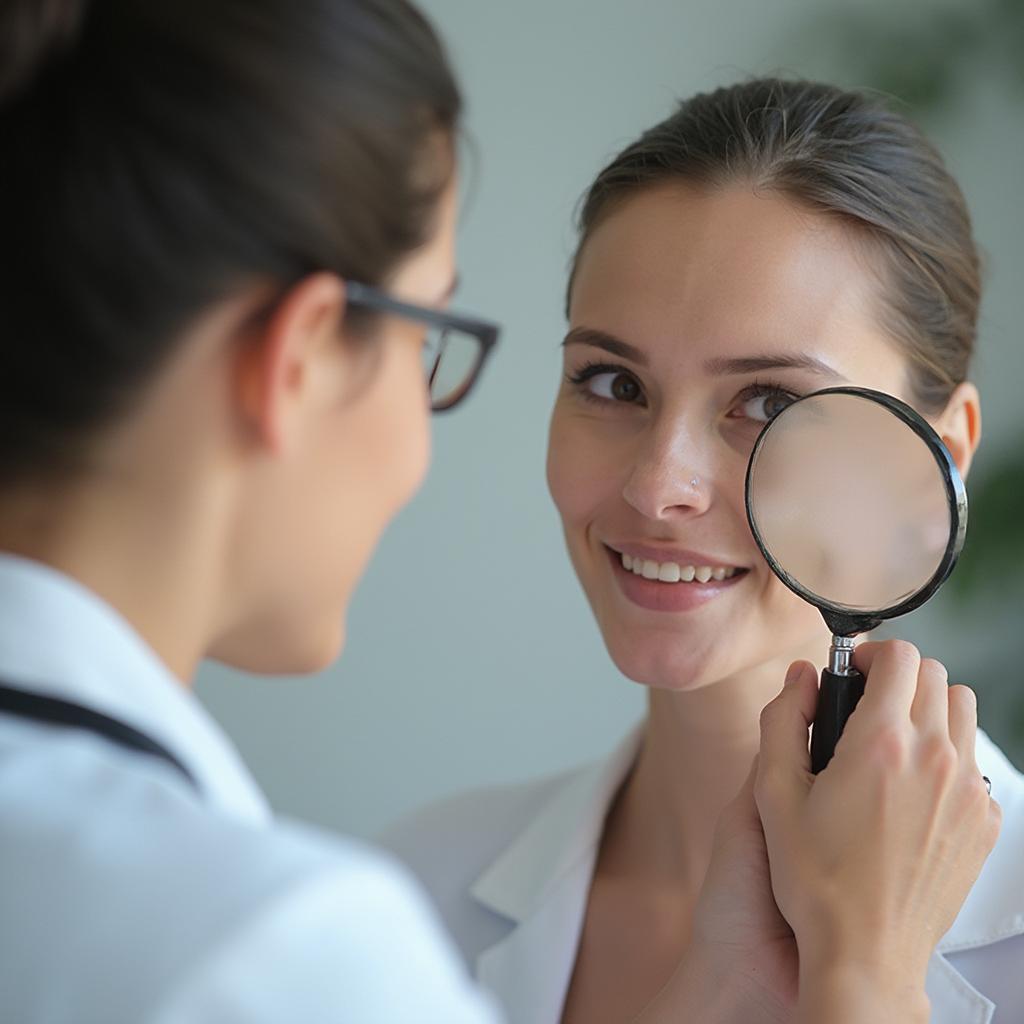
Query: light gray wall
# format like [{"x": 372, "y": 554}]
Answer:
[{"x": 472, "y": 656}]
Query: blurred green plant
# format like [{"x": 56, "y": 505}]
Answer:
[
  {"x": 923, "y": 58},
  {"x": 994, "y": 551}
]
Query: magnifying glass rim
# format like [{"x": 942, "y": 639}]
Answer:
[{"x": 956, "y": 496}]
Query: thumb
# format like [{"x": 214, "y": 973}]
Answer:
[{"x": 785, "y": 757}]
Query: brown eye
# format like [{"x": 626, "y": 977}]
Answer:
[
  {"x": 625, "y": 388},
  {"x": 766, "y": 405},
  {"x": 612, "y": 386}
]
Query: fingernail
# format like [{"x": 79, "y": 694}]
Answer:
[{"x": 794, "y": 673}]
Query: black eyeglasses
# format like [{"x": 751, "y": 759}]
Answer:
[{"x": 456, "y": 348}]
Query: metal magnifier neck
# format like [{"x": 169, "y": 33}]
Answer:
[{"x": 840, "y": 655}]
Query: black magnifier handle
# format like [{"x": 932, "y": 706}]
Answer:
[{"x": 842, "y": 686}]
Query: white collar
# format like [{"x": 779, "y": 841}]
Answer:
[
  {"x": 540, "y": 882},
  {"x": 60, "y": 639},
  {"x": 567, "y": 829}
]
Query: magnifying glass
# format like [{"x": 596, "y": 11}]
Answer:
[{"x": 858, "y": 507}]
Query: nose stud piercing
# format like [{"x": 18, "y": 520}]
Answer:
[{"x": 694, "y": 482}]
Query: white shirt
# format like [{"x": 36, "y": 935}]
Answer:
[
  {"x": 127, "y": 897},
  {"x": 510, "y": 869}
]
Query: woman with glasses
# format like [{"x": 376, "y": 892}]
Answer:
[
  {"x": 228, "y": 246},
  {"x": 226, "y": 227},
  {"x": 765, "y": 241}
]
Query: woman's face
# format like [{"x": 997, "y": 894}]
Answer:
[{"x": 695, "y": 315}]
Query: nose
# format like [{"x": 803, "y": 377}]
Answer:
[{"x": 668, "y": 479}]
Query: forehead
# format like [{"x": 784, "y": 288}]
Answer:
[{"x": 728, "y": 271}]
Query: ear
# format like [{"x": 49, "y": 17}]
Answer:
[
  {"x": 959, "y": 425},
  {"x": 279, "y": 365}
]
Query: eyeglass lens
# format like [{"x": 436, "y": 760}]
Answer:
[{"x": 450, "y": 358}]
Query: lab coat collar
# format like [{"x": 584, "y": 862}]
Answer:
[
  {"x": 566, "y": 831},
  {"x": 540, "y": 883},
  {"x": 59, "y": 639}
]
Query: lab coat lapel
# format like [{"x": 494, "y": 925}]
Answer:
[
  {"x": 540, "y": 883},
  {"x": 953, "y": 999},
  {"x": 529, "y": 970}
]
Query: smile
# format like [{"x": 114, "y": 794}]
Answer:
[
  {"x": 673, "y": 572},
  {"x": 663, "y": 585}
]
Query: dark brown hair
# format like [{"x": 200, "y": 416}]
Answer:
[
  {"x": 157, "y": 156},
  {"x": 845, "y": 154}
]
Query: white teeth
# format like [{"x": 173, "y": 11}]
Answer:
[{"x": 672, "y": 572}]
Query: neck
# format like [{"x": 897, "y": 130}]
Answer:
[
  {"x": 126, "y": 554},
  {"x": 696, "y": 753},
  {"x": 144, "y": 530}
]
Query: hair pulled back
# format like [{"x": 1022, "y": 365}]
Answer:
[
  {"x": 158, "y": 155},
  {"x": 845, "y": 154}
]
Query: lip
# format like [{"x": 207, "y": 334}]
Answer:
[{"x": 655, "y": 596}]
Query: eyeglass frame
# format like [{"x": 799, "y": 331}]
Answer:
[{"x": 485, "y": 332}]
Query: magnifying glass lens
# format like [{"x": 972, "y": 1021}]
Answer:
[{"x": 849, "y": 503}]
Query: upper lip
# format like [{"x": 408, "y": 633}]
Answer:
[{"x": 678, "y": 555}]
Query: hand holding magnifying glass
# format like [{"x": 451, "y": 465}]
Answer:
[{"x": 859, "y": 509}]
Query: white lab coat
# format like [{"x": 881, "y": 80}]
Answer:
[
  {"x": 129, "y": 897},
  {"x": 510, "y": 869}
]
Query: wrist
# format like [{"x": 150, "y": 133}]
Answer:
[{"x": 860, "y": 993}]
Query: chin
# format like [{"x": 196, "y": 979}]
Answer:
[
  {"x": 283, "y": 652},
  {"x": 665, "y": 666}
]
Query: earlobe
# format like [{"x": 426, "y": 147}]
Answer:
[
  {"x": 277, "y": 364},
  {"x": 960, "y": 425}
]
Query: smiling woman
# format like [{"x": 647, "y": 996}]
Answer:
[{"x": 765, "y": 241}]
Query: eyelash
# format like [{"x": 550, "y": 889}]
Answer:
[
  {"x": 766, "y": 389},
  {"x": 756, "y": 389},
  {"x": 590, "y": 370}
]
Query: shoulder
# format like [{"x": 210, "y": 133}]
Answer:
[
  {"x": 450, "y": 843},
  {"x": 214, "y": 918},
  {"x": 356, "y": 939}
]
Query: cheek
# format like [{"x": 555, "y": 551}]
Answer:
[
  {"x": 402, "y": 454},
  {"x": 582, "y": 472}
]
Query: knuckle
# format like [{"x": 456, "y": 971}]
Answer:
[
  {"x": 940, "y": 758},
  {"x": 770, "y": 712},
  {"x": 903, "y": 654},
  {"x": 890, "y": 748},
  {"x": 933, "y": 669},
  {"x": 963, "y": 698},
  {"x": 995, "y": 819}
]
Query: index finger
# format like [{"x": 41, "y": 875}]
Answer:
[{"x": 891, "y": 670}]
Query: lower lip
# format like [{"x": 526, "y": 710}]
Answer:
[{"x": 656, "y": 596}]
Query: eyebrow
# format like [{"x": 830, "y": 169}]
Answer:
[
  {"x": 721, "y": 367},
  {"x": 716, "y": 367},
  {"x": 608, "y": 342}
]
